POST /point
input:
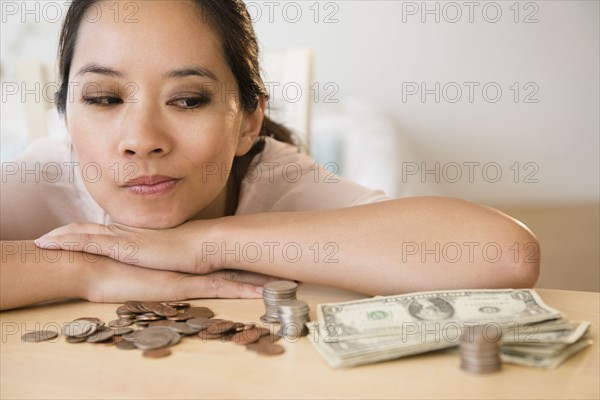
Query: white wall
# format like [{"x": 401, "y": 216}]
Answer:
[{"x": 368, "y": 53}]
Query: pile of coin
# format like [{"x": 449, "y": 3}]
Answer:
[
  {"x": 479, "y": 349},
  {"x": 92, "y": 330},
  {"x": 293, "y": 316},
  {"x": 161, "y": 326},
  {"x": 145, "y": 312},
  {"x": 273, "y": 294}
]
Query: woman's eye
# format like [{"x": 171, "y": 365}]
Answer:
[
  {"x": 190, "y": 102},
  {"x": 102, "y": 100}
]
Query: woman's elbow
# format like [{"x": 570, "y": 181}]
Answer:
[{"x": 522, "y": 262}]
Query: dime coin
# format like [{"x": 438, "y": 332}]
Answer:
[
  {"x": 90, "y": 319},
  {"x": 38, "y": 336},
  {"x": 122, "y": 331},
  {"x": 199, "y": 323},
  {"x": 183, "y": 328},
  {"x": 101, "y": 335},
  {"x": 119, "y": 323},
  {"x": 79, "y": 328},
  {"x": 125, "y": 345},
  {"x": 74, "y": 339}
]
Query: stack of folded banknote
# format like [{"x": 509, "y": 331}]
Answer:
[{"x": 383, "y": 328}]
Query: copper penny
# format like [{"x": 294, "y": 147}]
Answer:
[
  {"x": 177, "y": 304},
  {"x": 135, "y": 306},
  {"x": 269, "y": 349},
  {"x": 125, "y": 345},
  {"x": 200, "y": 312},
  {"x": 204, "y": 335},
  {"x": 184, "y": 316},
  {"x": 161, "y": 322},
  {"x": 220, "y": 327},
  {"x": 199, "y": 323},
  {"x": 247, "y": 336},
  {"x": 156, "y": 353}
]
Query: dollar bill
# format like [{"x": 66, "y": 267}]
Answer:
[
  {"x": 529, "y": 359},
  {"x": 536, "y": 334},
  {"x": 390, "y": 315},
  {"x": 384, "y": 328}
]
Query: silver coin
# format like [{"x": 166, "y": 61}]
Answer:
[
  {"x": 280, "y": 286},
  {"x": 122, "y": 330},
  {"x": 156, "y": 337},
  {"x": 183, "y": 328},
  {"x": 38, "y": 336},
  {"x": 198, "y": 323},
  {"x": 119, "y": 323},
  {"x": 80, "y": 328},
  {"x": 101, "y": 335}
]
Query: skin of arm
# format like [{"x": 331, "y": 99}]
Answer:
[
  {"x": 404, "y": 245},
  {"x": 390, "y": 247},
  {"x": 30, "y": 275}
]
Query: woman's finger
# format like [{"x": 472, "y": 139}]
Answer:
[
  {"x": 119, "y": 249},
  {"x": 252, "y": 278},
  {"x": 112, "y": 281},
  {"x": 200, "y": 286}
]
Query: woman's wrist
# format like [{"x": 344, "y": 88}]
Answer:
[
  {"x": 31, "y": 275},
  {"x": 210, "y": 239},
  {"x": 82, "y": 272}
]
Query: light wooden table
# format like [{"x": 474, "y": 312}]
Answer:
[{"x": 217, "y": 369}]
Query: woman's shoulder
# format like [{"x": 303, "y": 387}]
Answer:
[
  {"x": 41, "y": 190},
  {"x": 281, "y": 178}
]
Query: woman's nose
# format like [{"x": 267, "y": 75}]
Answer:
[{"x": 144, "y": 136}]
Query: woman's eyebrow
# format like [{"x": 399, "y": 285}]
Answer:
[
  {"x": 99, "y": 69},
  {"x": 192, "y": 71},
  {"x": 177, "y": 73}
]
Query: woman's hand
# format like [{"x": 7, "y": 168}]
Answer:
[
  {"x": 111, "y": 281},
  {"x": 175, "y": 249}
]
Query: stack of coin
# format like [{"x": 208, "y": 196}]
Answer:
[
  {"x": 479, "y": 349},
  {"x": 143, "y": 313},
  {"x": 273, "y": 294},
  {"x": 293, "y": 316}
]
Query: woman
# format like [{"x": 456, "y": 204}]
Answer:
[{"x": 178, "y": 186}]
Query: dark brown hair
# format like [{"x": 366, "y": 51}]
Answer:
[{"x": 232, "y": 23}]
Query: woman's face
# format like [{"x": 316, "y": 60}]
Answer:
[{"x": 154, "y": 113}]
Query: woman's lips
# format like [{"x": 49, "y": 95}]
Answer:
[{"x": 151, "y": 185}]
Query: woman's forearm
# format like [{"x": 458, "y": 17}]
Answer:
[
  {"x": 30, "y": 275},
  {"x": 383, "y": 248}
]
